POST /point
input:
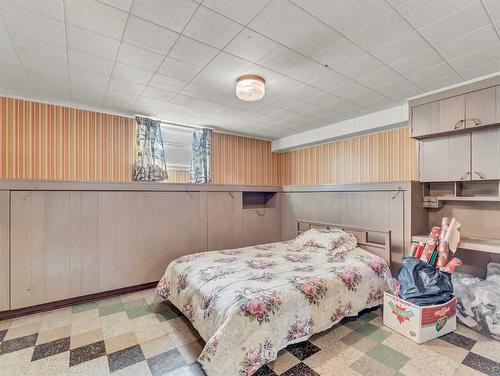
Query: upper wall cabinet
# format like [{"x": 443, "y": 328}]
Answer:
[
  {"x": 486, "y": 154},
  {"x": 471, "y": 110}
]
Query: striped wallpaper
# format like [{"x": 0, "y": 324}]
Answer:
[
  {"x": 243, "y": 160},
  {"x": 376, "y": 157},
  {"x": 43, "y": 141},
  {"x": 177, "y": 176}
]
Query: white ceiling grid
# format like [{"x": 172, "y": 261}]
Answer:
[{"x": 323, "y": 60}]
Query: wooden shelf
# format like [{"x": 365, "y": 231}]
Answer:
[
  {"x": 475, "y": 244},
  {"x": 470, "y": 198}
]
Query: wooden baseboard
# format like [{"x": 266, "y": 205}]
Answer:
[{"x": 73, "y": 301}]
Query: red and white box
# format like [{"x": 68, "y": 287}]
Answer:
[{"x": 419, "y": 323}]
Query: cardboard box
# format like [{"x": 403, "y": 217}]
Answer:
[{"x": 419, "y": 323}]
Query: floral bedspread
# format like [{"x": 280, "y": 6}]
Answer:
[{"x": 249, "y": 303}]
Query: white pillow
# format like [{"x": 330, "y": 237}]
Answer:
[{"x": 333, "y": 240}]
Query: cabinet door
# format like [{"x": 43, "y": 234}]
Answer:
[
  {"x": 4, "y": 251},
  {"x": 486, "y": 154},
  {"x": 224, "y": 220},
  {"x": 445, "y": 158},
  {"x": 261, "y": 226},
  {"x": 480, "y": 108},
  {"x": 425, "y": 119},
  {"x": 452, "y": 113}
]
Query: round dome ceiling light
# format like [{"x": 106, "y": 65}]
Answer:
[{"x": 250, "y": 87}]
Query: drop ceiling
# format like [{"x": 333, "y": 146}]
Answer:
[{"x": 324, "y": 60}]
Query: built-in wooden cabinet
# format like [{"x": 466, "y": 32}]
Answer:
[
  {"x": 486, "y": 154},
  {"x": 225, "y": 220},
  {"x": 261, "y": 226},
  {"x": 445, "y": 158},
  {"x": 471, "y": 110}
]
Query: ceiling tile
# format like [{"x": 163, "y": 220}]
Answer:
[
  {"x": 147, "y": 106},
  {"x": 401, "y": 49},
  {"x": 95, "y": 16},
  {"x": 304, "y": 92},
  {"x": 481, "y": 70},
  {"x": 118, "y": 101},
  {"x": 308, "y": 71},
  {"x": 442, "y": 82},
  {"x": 192, "y": 51},
  {"x": 158, "y": 94},
  {"x": 178, "y": 69},
  {"x": 404, "y": 94},
  {"x": 211, "y": 28},
  {"x": 23, "y": 23},
  {"x": 461, "y": 22},
  {"x": 418, "y": 62},
  {"x": 167, "y": 83},
  {"x": 485, "y": 55},
  {"x": 133, "y": 74},
  {"x": 139, "y": 57},
  {"x": 282, "y": 59},
  {"x": 88, "y": 95},
  {"x": 223, "y": 69},
  {"x": 250, "y": 45},
  {"x": 379, "y": 77},
  {"x": 241, "y": 11},
  {"x": 172, "y": 14},
  {"x": 45, "y": 58},
  {"x": 89, "y": 62},
  {"x": 80, "y": 76},
  {"x": 330, "y": 81},
  {"x": 92, "y": 43},
  {"x": 354, "y": 92},
  {"x": 279, "y": 22},
  {"x": 284, "y": 85},
  {"x": 430, "y": 73},
  {"x": 346, "y": 16},
  {"x": 397, "y": 85},
  {"x": 13, "y": 80},
  {"x": 49, "y": 8},
  {"x": 125, "y": 86},
  {"x": 469, "y": 43},
  {"x": 120, "y": 4},
  {"x": 50, "y": 85},
  {"x": 360, "y": 66},
  {"x": 340, "y": 53},
  {"x": 382, "y": 31},
  {"x": 423, "y": 12},
  {"x": 148, "y": 35},
  {"x": 493, "y": 8}
]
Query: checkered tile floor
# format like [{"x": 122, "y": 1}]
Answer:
[{"x": 137, "y": 334}]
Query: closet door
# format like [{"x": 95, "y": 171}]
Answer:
[
  {"x": 486, "y": 154},
  {"x": 445, "y": 158},
  {"x": 224, "y": 220},
  {"x": 452, "y": 113},
  {"x": 480, "y": 108},
  {"x": 425, "y": 119},
  {"x": 261, "y": 226}
]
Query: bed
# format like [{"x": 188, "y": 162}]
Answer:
[{"x": 249, "y": 303}]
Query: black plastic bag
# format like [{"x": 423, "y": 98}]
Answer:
[{"x": 423, "y": 284}]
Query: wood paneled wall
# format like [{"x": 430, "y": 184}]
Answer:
[
  {"x": 178, "y": 176},
  {"x": 243, "y": 160},
  {"x": 384, "y": 156},
  {"x": 43, "y": 141}
]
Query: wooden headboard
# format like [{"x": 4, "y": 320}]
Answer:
[{"x": 363, "y": 235}]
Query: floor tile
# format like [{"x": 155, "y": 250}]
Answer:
[
  {"x": 108, "y": 301},
  {"x": 22, "y": 331},
  {"x": 84, "y": 307},
  {"x": 360, "y": 342},
  {"x": 165, "y": 362},
  {"x": 446, "y": 349},
  {"x": 373, "y": 332},
  {"x": 157, "y": 346},
  {"x": 147, "y": 328},
  {"x": 332, "y": 337},
  {"x": 334, "y": 359},
  {"x": 300, "y": 370},
  {"x": 189, "y": 370},
  {"x": 482, "y": 364},
  {"x": 16, "y": 344},
  {"x": 135, "y": 303},
  {"x": 2, "y": 334},
  {"x": 125, "y": 358},
  {"x": 302, "y": 350},
  {"x": 56, "y": 319},
  {"x": 191, "y": 351},
  {"x": 370, "y": 366},
  {"x": 105, "y": 310},
  {"x": 50, "y": 348},
  {"x": 264, "y": 371},
  {"x": 120, "y": 342},
  {"x": 137, "y": 369},
  {"x": 85, "y": 321},
  {"x": 86, "y": 338},
  {"x": 116, "y": 324},
  {"x": 16, "y": 363},
  {"x": 463, "y": 370},
  {"x": 367, "y": 316},
  {"x": 53, "y": 334},
  {"x": 458, "y": 340},
  {"x": 391, "y": 358},
  {"x": 136, "y": 312},
  {"x": 56, "y": 364},
  {"x": 86, "y": 353},
  {"x": 425, "y": 362},
  {"x": 26, "y": 320},
  {"x": 284, "y": 362},
  {"x": 95, "y": 367},
  {"x": 5, "y": 324},
  {"x": 488, "y": 348}
]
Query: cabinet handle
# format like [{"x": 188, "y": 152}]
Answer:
[
  {"x": 459, "y": 124},
  {"x": 481, "y": 175},
  {"x": 476, "y": 122},
  {"x": 261, "y": 214},
  {"x": 464, "y": 176}
]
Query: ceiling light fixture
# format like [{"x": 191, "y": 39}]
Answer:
[{"x": 250, "y": 87}]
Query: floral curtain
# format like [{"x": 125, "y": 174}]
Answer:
[
  {"x": 200, "y": 159},
  {"x": 150, "y": 157}
]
